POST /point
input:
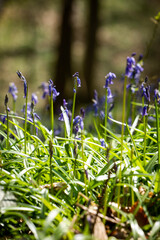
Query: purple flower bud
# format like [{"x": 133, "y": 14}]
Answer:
[
  {"x": 76, "y": 74},
  {"x": 6, "y": 100},
  {"x": 82, "y": 111},
  {"x": 144, "y": 111},
  {"x": 4, "y": 119},
  {"x": 140, "y": 57},
  {"x": 25, "y": 89},
  {"x": 25, "y": 82},
  {"x": 64, "y": 103},
  {"x": 77, "y": 81}
]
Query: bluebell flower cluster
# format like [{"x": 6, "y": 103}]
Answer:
[
  {"x": 13, "y": 91},
  {"x": 78, "y": 123},
  {"x": 53, "y": 90},
  {"x": 109, "y": 79},
  {"x": 30, "y": 108},
  {"x": 49, "y": 89},
  {"x": 77, "y": 81},
  {"x": 133, "y": 69},
  {"x": 61, "y": 118},
  {"x": 24, "y": 81},
  {"x": 145, "y": 91}
]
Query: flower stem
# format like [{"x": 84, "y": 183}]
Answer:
[
  {"x": 145, "y": 126},
  {"x": 7, "y": 143},
  {"x": 50, "y": 163},
  {"x": 73, "y": 109},
  {"x": 52, "y": 114},
  {"x": 122, "y": 137},
  {"x": 106, "y": 115},
  {"x": 25, "y": 123}
]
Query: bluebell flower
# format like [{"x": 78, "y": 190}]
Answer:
[
  {"x": 109, "y": 94},
  {"x": 53, "y": 90},
  {"x": 61, "y": 118},
  {"x": 103, "y": 144},
  {"x": 137, "y": 71},
  {"x": 50, "y": 82},
  {"x": 78, "y": 124},
  {"x": 140, "y": 58},
  {"x": 95, "y": 102},
  {"x": 4, "y": 119},
  {"x": 30, "y": 112},
  {"x": 34, "y": 98},
  {"x": 5, "y": 116},
  {"x": 77, "y": 81},
  {"x": 109, "y": 79},
  {"x": 45, "y": 89},
  {"x": 24, "y": 81},
  {"x": 157, "y": 95},
  {"x": 65, "y": 103},
  {"x": 55, "y": 93},
  {"x": 102, "y": 114},
  {"x": 133, "y": 69},
  {"x": 145, "y": 91},
  {"x": 130, "y": 66},
  {"x": 144, "y": 111},
  {"x": 13, "y": 90}
]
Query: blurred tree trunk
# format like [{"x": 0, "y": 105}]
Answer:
[
  {"x": 91, "y": 43},
  {"x": 63, "y": 66}
]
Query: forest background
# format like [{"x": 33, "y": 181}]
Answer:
[{"x": 54, "y": 39}]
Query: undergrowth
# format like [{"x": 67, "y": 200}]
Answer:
[{"x": 98, "y": 181}]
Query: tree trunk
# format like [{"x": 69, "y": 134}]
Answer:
[
  {"x": 63, "y": 66},
  {"x": 89, "y": 59}
]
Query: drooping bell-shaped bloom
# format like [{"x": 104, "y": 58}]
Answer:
[
  {"x": 109, "y": 79},
  {"x": 145, "y": 91},
  {"x": 144, "y": 111},
  {"x": 13, "y": 91},
  {"x": 34, "y": 98}
]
